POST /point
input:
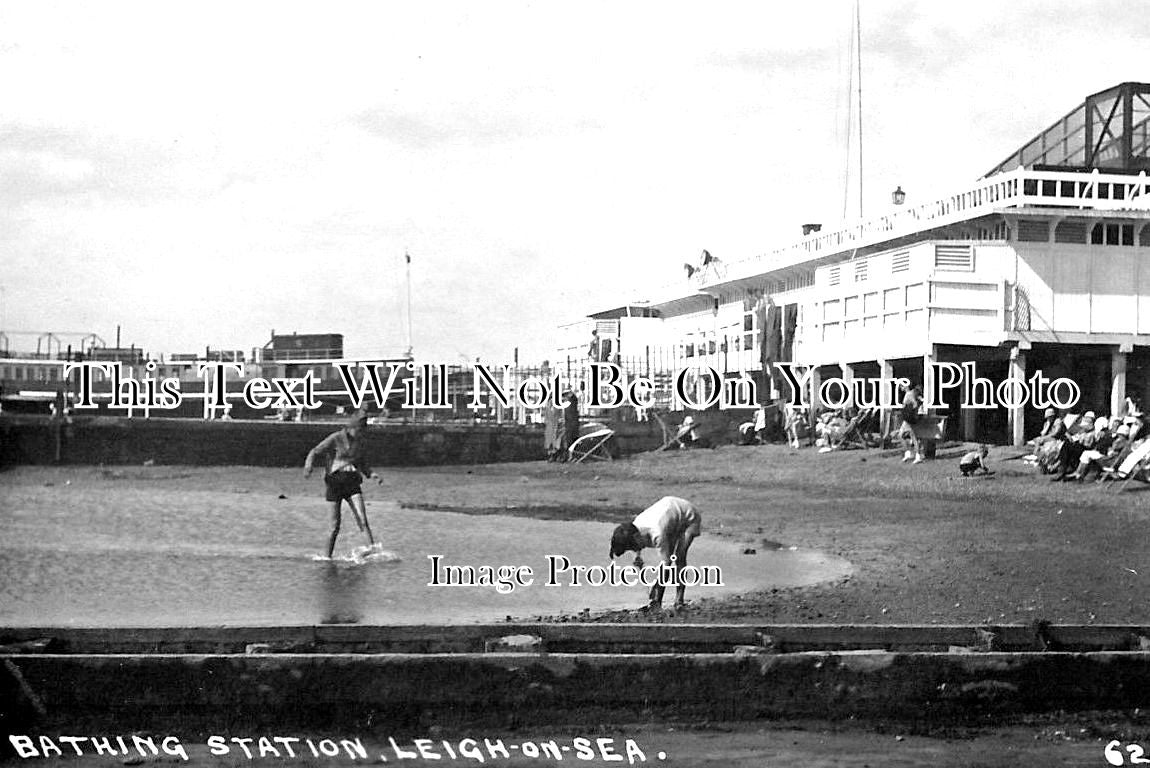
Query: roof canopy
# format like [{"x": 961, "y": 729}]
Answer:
[{"x": 1109, "y": 131}]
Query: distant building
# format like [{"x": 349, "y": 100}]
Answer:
[
  {"x": 125, "y": 355},
  {"x": 295, "y": 354},
  {"x": 302, "y": 346}
]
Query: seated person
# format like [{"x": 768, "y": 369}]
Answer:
[
  {"x": 796, "y": 427},
  {"x": 1097, "y": 459},
  {"x": 1090, "y": 433},
  {"x": 761, "y": 424},
  {"x": 1135, "y": 420},
  {"x": 975, "y": 461},
  {"x": 688, "y": 436},
  {"x": 747, "y": 434},
  {"x": 1053, "y": 428}
]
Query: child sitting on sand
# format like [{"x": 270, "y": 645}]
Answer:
[{"x": 974, "y": 461}]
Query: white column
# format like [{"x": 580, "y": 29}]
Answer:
[
  {"x": 1118, "y": 379},
  {"x": 848, "y": 375},
  {"x": 1016, "y": 416},
  {"x": 886, "y": 374},
  {"x": 815, "y": 385}
]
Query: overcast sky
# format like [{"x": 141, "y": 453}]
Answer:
[{"x": 201, "y": 173}]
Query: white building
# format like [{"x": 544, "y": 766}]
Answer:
[{"x": 1042, "y": 264}]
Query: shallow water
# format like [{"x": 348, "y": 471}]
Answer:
[{"x": 150, "y": 556}]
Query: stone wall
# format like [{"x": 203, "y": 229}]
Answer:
[{"x": 32, "y": 440}]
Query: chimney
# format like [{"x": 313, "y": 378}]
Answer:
[{"x": 809, "y": 228}]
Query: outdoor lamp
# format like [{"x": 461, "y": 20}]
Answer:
[{"x": 898, "y": 197}]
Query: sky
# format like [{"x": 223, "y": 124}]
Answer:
[{"x": 200, "y": 174}]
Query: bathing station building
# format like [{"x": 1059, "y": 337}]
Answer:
[{"x": 1043, "y": 263}]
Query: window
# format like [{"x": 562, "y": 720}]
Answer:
[
  {"x": 1070, "y": 232},
  {"x": 1030, "y": 231},
  {"x": 892, "y": 298},
  {"x": 1112, "y": 234}
]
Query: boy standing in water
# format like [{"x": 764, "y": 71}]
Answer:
[{"x": 346, "y": 468}]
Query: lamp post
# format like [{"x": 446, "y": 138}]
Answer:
[{"x": 898, "y": 197}]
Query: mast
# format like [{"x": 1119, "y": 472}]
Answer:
[
  {"x": 854, "y": 68},
  {"x": 407, "y": 258},
  {"x": 858, "y": 55}
]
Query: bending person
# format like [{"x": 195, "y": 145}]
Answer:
[
  {"x": 346, "y": 468},
  {"x": 669, "y": 525}
]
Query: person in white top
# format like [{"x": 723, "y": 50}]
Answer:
[{"x": 669, "y": 525}]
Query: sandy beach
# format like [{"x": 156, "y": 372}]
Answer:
[{"x": 924, "y": 545}]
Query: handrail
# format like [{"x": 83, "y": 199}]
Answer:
[{"x": 1020, "y": 187}]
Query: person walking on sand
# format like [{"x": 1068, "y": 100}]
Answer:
[
  {"x": 345, "y": 469},
  {"x": 910, "y": 405},
  {"x": 669, "y": 525}
]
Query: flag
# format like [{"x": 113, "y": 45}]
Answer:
[
  {"x": 708, "y": 258},
  {"x": 407, "y": 256},
  {"x": 690, "y": 269}
]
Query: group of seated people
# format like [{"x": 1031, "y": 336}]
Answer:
[
  {"x": 1079, "y": 448},
  {"x": 830, "y": 427},
  {"x": 793, "y": 423}
]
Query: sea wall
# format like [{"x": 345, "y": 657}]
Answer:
[
  {"x": 415, "y": 692},
  {"x": 31, "y": 440}
]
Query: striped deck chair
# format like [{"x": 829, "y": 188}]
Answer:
[{"x": 1135, "y": 466}]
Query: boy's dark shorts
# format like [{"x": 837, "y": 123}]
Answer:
[
  {"x": 967, "y": 469},
  {"x": 342, "y": 485}
]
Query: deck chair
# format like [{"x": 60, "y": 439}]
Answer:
[
  {"x": 851, "y": 435},
  {"x": 1135, "y": 466},
  {"x": 675, "y": 438},
  {"x": 595, "y": 444}
]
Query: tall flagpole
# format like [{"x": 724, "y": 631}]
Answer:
[{"x": 410, "y": 348}]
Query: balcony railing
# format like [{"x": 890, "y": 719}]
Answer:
[{"x": 1022, "y": 187}]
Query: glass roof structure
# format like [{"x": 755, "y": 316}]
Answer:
[{"x": 1110, "y": 131}]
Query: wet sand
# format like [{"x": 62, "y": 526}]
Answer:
[{"x": 167, "y": 547}]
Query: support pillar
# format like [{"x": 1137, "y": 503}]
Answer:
[
  {"x": 1016, "y": 417},
  {"x": 815, "y": 403},
  {"x": 848, "y": 376},
  {"x": 1118, "y": 358},
  {"x": 928, "y": 373},
  {"x": 885, "y": 374},
  {"x": 970, "y": 424}
]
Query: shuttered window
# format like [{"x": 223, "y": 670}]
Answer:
[
  {"x": 954, "y": 258},
  {"x": 1070, "y": 232},
  {"x": 900, "y": 262},
  {"x": 1031, "y": 231}
]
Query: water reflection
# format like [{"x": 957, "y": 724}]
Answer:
[
  {"x": 99, "y": 560},
  {"x": 342, "y": 594}
]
